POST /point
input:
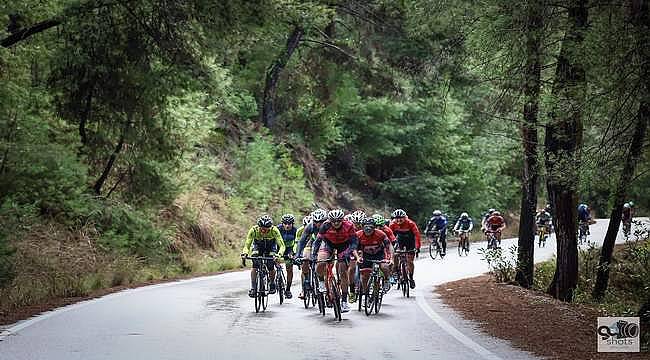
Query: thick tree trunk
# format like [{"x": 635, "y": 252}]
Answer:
[
  {"x": 526, "y": 242},
  {"x": 562, "y": 143},
  {"x": 109, "y": 165},
  {"x": 640, "y": 18},
  {"x": 273, "y": 76}
]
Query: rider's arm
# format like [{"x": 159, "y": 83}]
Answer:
[
  {"x": 309, "y": 230},
  {"x": 389, "y": 233},
  {"x": 316, "y": 245},
  {"x": 471, "y": 225},
  {"x": 389, "y": 249},
  {"x": 279, "y": 241},
  {"x": 416, "y": 232},
  {"x": 249, "y": 240}
]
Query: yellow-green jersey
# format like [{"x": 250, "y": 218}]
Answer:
[{"x": 270, "y": 243}]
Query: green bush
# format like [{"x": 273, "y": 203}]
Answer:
[{"x": 502, "y": 265}]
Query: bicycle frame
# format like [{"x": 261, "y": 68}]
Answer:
[
  {"x": 262, "y": 281},
  {"x": 374, "y": 289},
  {"x": 332, "y": 288},
  {"x": 403, "y": 273}
]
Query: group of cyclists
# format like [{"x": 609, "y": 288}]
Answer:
[{"x": 356, "y": 240}]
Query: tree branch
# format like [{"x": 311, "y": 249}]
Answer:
[{"x": 25, "y": 33}]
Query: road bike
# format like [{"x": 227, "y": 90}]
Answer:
[
  {"x": 332, "y": 290},
  {"x": 261, "y": 281},
  {"x": 435, "y": 249},
  {"x": 309, "y": 285},
  {"x": 403, "y": 273},
  {"x": 463, "y": 242},
  {"x": 627, "y": 228},
  {"x": 374, "y": 293},
  {"x": 583, "y": 229},
  {"x": 280, "y": 281},
  {"x": 541, "y": 234},
  {"x": 492, "y": 240}
]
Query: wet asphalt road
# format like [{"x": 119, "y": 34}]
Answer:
[{"x": 213, "y": 318}]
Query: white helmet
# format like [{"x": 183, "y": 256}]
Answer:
[
  {"x": 464, "y": 215},
  {"x": 306, "y": 220},
  {"x": 319, "y": 215}
]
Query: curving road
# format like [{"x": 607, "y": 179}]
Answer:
[{"x": 213, "y": 318}]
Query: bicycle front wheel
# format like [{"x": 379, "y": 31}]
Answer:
[
  {"x": 336, "y": 299},
  {"x": 380, "y": 294},
  {"x": 369, "y": 299},
  {"x": 433, "y": 251},
  {"x": 280, "y": 286}
]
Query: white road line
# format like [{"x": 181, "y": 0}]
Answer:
[{"x": 451, "y": 330}]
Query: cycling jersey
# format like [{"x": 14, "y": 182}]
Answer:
[
  {"x": 583, "y": 213},
  {"x": 436, "y": 223},
  {"x": 464, "y": 224},
  {"x": 374, "y": 243},
  {"x": 307, "y": 238},
  {"x": 264, "y": 244},
  {"x": 627, "y": 214},
  {"x": 388, "y": 233},
  {"x": 495, "y": 222},
  {"x": 407, "y": 233},
  {"x": 342, "y": 239},
  {"x": 543, "y": 218},
  {"x": 289, "y": 237}
]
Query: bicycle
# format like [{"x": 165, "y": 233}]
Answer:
[
  {"x": 583, "y": 229},
  {"x": 309, "y": 292},
  {"x": 332, "y": 290},
  {"x": 463, "y": 242},
  {"x": 403, "y": 273},
  {"x": 627, "y": 228},
  {"x": 541, "y": 234},
  {"x": 435, "y": 248},
  {"x": 492, "y": 240},
  {"x": 280, "y": 281},
  {"x": 374, "y": 292},
  {"x": 262, "y": 281}
]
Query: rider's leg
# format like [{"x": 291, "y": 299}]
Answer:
[
  {"x": 443, "y": 239},
  {"x": 352, "y": 272},
  {"x": 411, "y": 266},
  {"x": 386, "y": 270},
  {"x": 289, "y": 266},
  {"x": 342, "y": 269}
]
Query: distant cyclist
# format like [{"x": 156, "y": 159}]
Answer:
[
  {"x": 496, "y": 224},
  {"x": 438, "y": 222},
  {"x": 484, "y": 220},
  {"x": 626, "y": 219},
  {"x": 264, "y": 239},
  {"x": 307, "y": 238},
  {"x": 288, "y": 232},
  {"x": 584, "y": 215},
  {"x": 543, "y": 218},
  {"x": 408, "y": 238},
  {"x": 373, "y": 245},
  {"x": 336, "y": 235},
  {"x": 464, "y": 223}
]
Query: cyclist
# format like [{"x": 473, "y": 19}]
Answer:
[
  {"x": 356, "y": 218},
  {"x": 305, "y": 221},
  {"x": 288, "y": 232},
  {"x": 495, "y": 223},
  {"x": 373, "y": 245},
  {"x": 380, "y": 223},
  {"x": 306, "y": 240},
  {"x": 547, "y": 208},
  {"x": 336, "y": 234},
  {"x": 408, "y": 238},
  {"x": 543, "y": 218},
  {"x": 264, "y": 239},
  {"x": 584, "y": 215},
  {"x": 484, "y": 221},
  {"x": 463, "y": 224},
  {"x": 438, "y": 222}
]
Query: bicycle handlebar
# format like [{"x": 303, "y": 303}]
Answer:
[{"x": 243, "y": 260}]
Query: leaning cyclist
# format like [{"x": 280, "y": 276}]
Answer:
[
  {"x": 408, "y": 238},
  {"x": 495, "y": 223},
  {"x": 438, "y": 222},
  {"x": 264, "y": 239},
  {"x": 336, "y": 235},
  {"x": 373, "y": 245},
  {"x": 464, "y": 224},
  {"x": 307, "y": 238},
  {"x": 288, "y": 232}
]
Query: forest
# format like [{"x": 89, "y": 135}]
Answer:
[{"x": 140, "y": 139}]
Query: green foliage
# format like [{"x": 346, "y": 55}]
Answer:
[{"x": 502, "y": 265}]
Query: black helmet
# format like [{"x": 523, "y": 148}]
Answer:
[
  {"x": 265, "y": 221},
  {"x": 369, "y": 221}
]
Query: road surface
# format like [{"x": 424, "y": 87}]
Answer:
[{"x": 213, "y": 318}]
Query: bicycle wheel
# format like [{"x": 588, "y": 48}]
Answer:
[
  {"x": 460, "y": 248},
  {"x": 258, "y": 291},
  {"x": 369, "y": 299},
  {"x": 279, "y": 283},
  {"x": 336, "y": 299},
  {"x": 265, "y": 293},
  {"x": 306, "y": 295},
  {"x": 405, "y": 280},
  {"x": 321, "y": 303},
  {"x": 433, "y": 249},
  {"x": 380, "y": 294}
]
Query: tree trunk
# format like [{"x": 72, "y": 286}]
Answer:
[
  {"x": 23, "y": 34},
  {"x": 562, "y": 142},
  {"x": 531, "y": 89},
  {"x": 640, "y": 18},
  {"x": 107, "y": 169},
  {"x": 273, "y": 76}
]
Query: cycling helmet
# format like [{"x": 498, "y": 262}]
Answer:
[
  {"x": 626, "y": 205},
  {"x": 357, "y": 217},
  {"x": 306, "y": 220},
  {"x": 336, "y": 214},
  {"x": 631, "y": 203},
  {"x": 464, "y": 215},
  {"x": 496, "y": 213},
  {"x": 399, "y": 213},
  {"x": 437, "y": 213},
  {"x": 369, "y": 221},
  {"x": 288, "y": 219},
  {"x": 265, "y": 221},
  {"x": 490, "y": 211},
  {"x": 319, "y": 215},
  {"x": 379, "y": 220}
]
